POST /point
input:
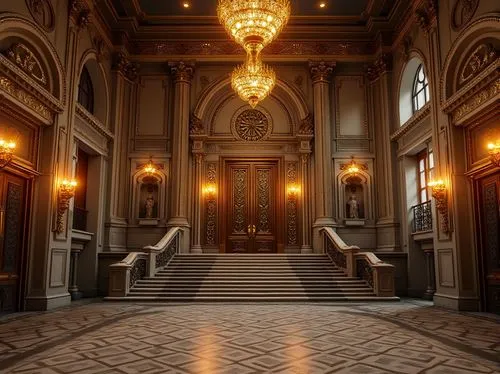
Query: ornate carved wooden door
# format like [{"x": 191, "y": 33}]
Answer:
[
  {"x": 12, "y": 215},
  {"x": 251, "y": 207},
  {"x": 489, "y": 203}
]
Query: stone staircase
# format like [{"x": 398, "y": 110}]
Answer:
[{"x": 241, "y": 277}]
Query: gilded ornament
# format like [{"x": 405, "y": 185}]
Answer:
[
  {"x": 482, "y": 56},
  {"x": 291, "y": 205},
  {"x": 476, "y": 101},
  {"x": 211, "y": 214},
  {"x": 26, "y": 60}
]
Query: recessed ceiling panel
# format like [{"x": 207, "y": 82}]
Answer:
[{"x": 208, "y": 7}]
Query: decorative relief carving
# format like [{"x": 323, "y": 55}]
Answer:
[
  {"x": 211, "y": 206},
  {"x": 291, "y": 175},
  {"x": 263, "y": 201},
  {"x": 43, "y": 13},
  {"x": 183, "y": 72},
  {"x": 195, "y": 126},
  {"x": 299, "y": 81},
  {"x": 251, "y": 125},
  {"x": 426, "y": 15},
  {"x": 79, "y": 13},
  {"x": 382, "y": 65},
  {"x": 476, "y": 101},
  {"x": 26, "y": 60},
  {"x": 279, "y": 47},
  {"x": 128, "y": 69},
  {"x": 482, "y": 56},
  {"x": 100, "y": 47},
  {"x": 307, "y": 125},
  {"x": 406, "y": 46},
  {"x": 491, "y": 223},
  {"x": 13, "y": 216},
  {"x": 239, "y": 206},
  {"x": 27, "y": 99},
  {"x": 321, "y": 71},
  {"x": 462, "y": 12},
  {"x": 204, "y": 82}
]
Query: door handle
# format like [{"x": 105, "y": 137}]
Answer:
[
  {"x": 2, "y": 222},
  {"x": 249, "y": 231},
  {"x": 254, "y": 230}
]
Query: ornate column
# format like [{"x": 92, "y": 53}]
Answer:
[
  {"x": 305, "y": 136},
  {"x": 197, "y": 135},
  {"x": 183, "y": 73},
  {"x": 380, "y": 90},
  {"x": 321, "y": 73}
]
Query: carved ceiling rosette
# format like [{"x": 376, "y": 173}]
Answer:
[{"x": 321, "y": 71}]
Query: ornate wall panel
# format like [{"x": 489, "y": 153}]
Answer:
[
  {"x": 292, "y": 205},
  {"x": 263, "y": 201},
  {"x": 211, "y": 207},
  {"x": 240, "y": 208}
]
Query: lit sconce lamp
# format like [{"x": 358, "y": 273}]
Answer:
[
  {"x": 439, "y": 193},
  {"x": 150, "y": 167},
  {"x": 353, "y": 168},
  {"x": 494, "y": 152},
  {"x": 293, "y": 190},
  {"x": 6, "y": 152},
  {"x": 66, "y": 193},
  {"x": 209, "y": 190}
]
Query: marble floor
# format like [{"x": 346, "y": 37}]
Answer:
[{"x": 98, "y": 337}]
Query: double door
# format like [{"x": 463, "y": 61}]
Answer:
[
  {"x": 12, "y": 218},
  {"x": 251, "y": 206}
]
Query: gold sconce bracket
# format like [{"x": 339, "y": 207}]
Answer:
[
  {"x": 494, "y": 153},
  {"x": 65, "y": 194},
  {"x": 353, "y": 168},
  {"x": 6, "y": 152},
  {"x": 440, "y": 195}
]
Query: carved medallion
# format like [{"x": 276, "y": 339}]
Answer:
[
  {"x": 463, "y": 11},
  {"x": 482, "y": 56},
  {"x": 42, "y": 13},
  {"x": 251, "y": 125},
  {"x": 26, "y": 60}
]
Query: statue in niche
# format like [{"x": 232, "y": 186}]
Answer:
[
  {"x": 149, "y": 205},
  {"x": 353, "y": 207}
]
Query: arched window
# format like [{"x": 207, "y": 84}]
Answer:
[
  {"x": 420, "y": 93},
  {"x": 86, "y": 91}
]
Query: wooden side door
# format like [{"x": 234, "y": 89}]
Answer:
[
  {"x": 251, "y": 207},
  {"x": 489, "y": 253},
  {"x": 12, "y": 216}
]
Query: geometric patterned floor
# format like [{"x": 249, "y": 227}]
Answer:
[{"x": 405, "y": 337}]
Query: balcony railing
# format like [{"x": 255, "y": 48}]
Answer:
[
  {"x": 422, "y": 217},
  {"x": 80, "y": 219}
]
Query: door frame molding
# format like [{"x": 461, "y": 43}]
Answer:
[{"x": 224, "y": 161}]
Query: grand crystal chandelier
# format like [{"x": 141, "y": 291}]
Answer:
[{"x": 253, "y": 24}]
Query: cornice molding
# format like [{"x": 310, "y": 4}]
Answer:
[
  {"x": 93, "y": 122},
  {"x": 412, "y": 123}
]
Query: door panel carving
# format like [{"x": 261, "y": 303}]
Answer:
[{"x": 251, "y": 220}]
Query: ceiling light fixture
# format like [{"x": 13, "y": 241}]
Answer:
[
  {"x": 322, "y": 5},
  {"x": 253, "y": 24},
  {"x": 186, "y": 5}
]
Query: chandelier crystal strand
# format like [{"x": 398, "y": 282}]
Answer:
[
  {"x": 253, "y": 83},
  {"x": 253, "y": 23}
]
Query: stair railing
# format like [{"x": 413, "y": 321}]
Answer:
[
  {"x": 366, "y": 265},
  {"x": 137, "y": 265}
]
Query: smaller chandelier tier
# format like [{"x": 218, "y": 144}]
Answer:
[
  {"x": 253, "y": 82},
  {"x": 253, "y": 23}
]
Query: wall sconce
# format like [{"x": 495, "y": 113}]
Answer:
[
  {"x": 150, "y": 167},
  {"x": 6, "y": 152},
  {"x": 352, "y": 168},
  {"x": 293, "y": 190},
  {"x": 209, "y": 190},
  {"x": 494, "y": 152},
  {"x": 440, "y": 195},
  {"x": 65, "y": 193}
]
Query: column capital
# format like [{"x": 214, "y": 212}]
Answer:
[
  {"x": 382, "y": 65},
  {"x": 124, "y": 66},
  {"x": 321, "y": 71},
  {"x": 196, "y": 126},
  {"x": 182, "y": 71},
  {"x": 426, "y": 15}
]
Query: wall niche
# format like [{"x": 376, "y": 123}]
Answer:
[{"x": 149, "y": 197}]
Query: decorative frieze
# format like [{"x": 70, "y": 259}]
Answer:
[
  {"x": 476, "y": 101},
  {"x": 321, "y": 71},
  {"x": 26, "y": 98},
  {"x": 123, "y": 65},
  {"x": 27, "y": 61},
  {"x": 279, "y": 47},
  {"x": 182, "y": 71},
  {"x": 43, "y": 13}
]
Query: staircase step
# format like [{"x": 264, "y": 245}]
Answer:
[{"x": 210, "y": 299}]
